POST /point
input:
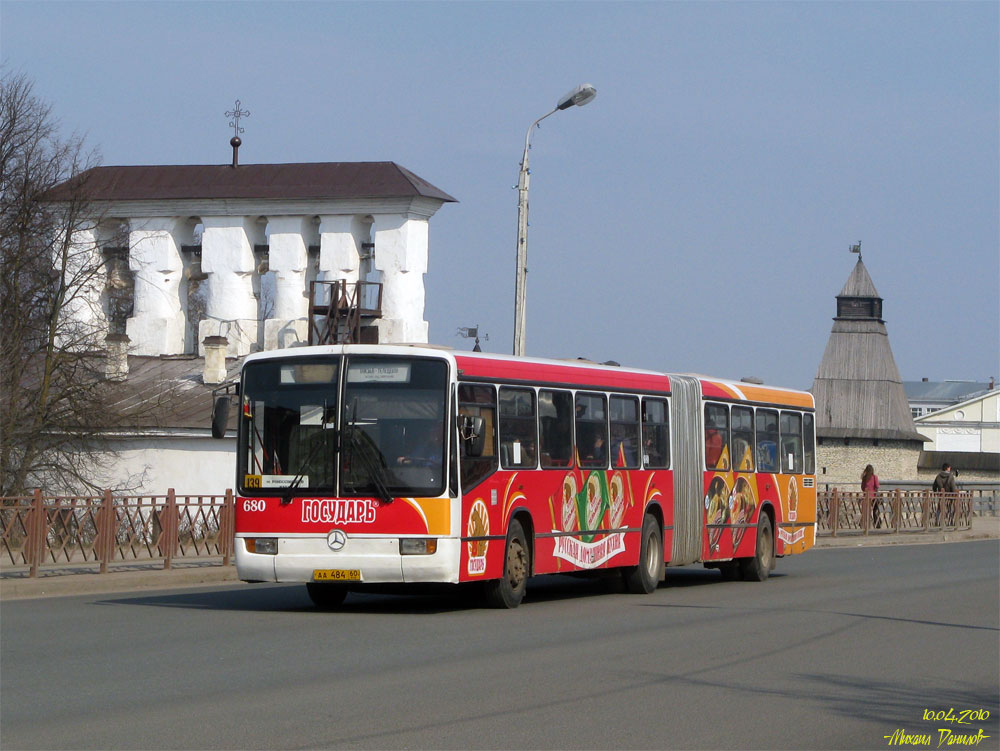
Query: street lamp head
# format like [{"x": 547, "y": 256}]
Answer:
[{"x": 579, "y": 96}]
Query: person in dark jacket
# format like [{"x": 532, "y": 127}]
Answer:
[
  {"x": 945, "y": 480},
  {"x": 945, "y": 483}
]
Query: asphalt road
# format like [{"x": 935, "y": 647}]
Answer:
[{"x": 839, "y": 649}]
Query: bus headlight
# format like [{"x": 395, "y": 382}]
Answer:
[
  {"x": 417, "y": 546},
  {"x": 262, "y": 545}
]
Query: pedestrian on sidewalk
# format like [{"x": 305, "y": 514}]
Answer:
[
  {"x": 870, "y": 486},
  {"x": 945, "y": 483}
]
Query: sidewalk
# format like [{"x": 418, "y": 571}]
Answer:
[
  {"x": 72, "y": 580},
  {"x": 137, "y": 577},
  {"x": 983, "y": 528}
]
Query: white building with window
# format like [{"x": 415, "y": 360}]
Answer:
[
  {"x": 966, "y": 435},
  {"x": 205, "y": 264},
  {"x": 926, "y": 396}
]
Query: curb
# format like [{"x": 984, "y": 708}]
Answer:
[{"x": 62, "y": 585}]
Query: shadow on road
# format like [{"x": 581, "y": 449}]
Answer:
[
  {"x": 898, "y": 704},
  {"x": 410, "y": 599}
]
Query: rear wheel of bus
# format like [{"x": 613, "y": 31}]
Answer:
[
  {"x": 642, "y": 579},
  {"x": 759, "y": 566},
  {"x": 326, "y": 596},
  {"x": 508, "y": 591}
]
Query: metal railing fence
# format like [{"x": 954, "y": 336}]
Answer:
[
  {"x": 891, "y": 512},
  {"x": 39, "y": 530}
]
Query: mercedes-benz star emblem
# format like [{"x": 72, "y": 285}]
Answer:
[{"x": 336, "y": 539}]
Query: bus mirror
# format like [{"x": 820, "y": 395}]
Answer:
[
  {"x": 220, "y": 417},
  {"x": 473, "y": 434}
]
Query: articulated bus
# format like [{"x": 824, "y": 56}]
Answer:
[{"x": 378, "y": 464}]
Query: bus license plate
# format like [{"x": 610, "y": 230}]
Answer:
[{"x": 337, "y": 575}]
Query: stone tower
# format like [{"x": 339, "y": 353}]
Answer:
[{"x": 862, "y": 416}]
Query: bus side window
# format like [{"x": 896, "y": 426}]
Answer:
[
  {"x": 555, "y": 428},
  {"x": 809, "y": 436},
  {"x": 655, "y": 434},
  {"x": 791, "y": 442},
  {"x": 742, "y": 418},
  {"x": 592, "y": 430},
  {"x": 624, "y": 431},
  {"x": 717, "y": 436},
  {"x": 767, "y": 440},
  {"x": 518, "y": 439},
  {"x": 478, "y": 401}
]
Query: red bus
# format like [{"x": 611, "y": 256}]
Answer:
[{"x": 375, "y": 464}]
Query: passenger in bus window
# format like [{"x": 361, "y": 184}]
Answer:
[
  {"x": 713, "y": 450},
  {"x": 651, "y": 453},
  {"x": 598, "y": 453},
  {"x": 623, "y": 452},
  {"x": 427, "y": 451}
]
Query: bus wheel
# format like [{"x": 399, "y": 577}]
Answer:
[
  {"x": 326, "y": 596},
  {"x": 642, "y": 579},
  {"x": 757, "y": 568},
  {"x": 508, "y": 591}
]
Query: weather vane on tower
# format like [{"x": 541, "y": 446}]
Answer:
[
  {"x": 236, "y": 113},
  {"x": 856, "y": 249}
]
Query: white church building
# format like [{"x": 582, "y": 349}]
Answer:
[{"x": 208, "y": 263}]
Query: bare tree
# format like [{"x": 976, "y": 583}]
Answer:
[{"x": 55, "y": 402}]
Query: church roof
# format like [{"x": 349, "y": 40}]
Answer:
[
  {"x": 311, "y": 180},
  {"x": 858, "y": 390},
  {"x": 859, "y": 283}
]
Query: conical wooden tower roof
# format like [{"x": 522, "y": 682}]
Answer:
[{"x": 858, "y": 391}]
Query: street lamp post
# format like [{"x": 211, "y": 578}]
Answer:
[{"x": 578, "y": 97}]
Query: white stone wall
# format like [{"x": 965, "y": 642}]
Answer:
[
  {"x": 79, "y": 258},
  {"x": 227, "y": 257},
  {"x": 252, "y": 307},
  {"x": 189, "y": 465},
  {"x": 156, "y": 326},
  {"x": 841, "y": 466},
  {"x": 401, "y": 256},
  {"x": 285, "y": 316}
]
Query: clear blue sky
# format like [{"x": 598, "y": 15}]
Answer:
[{"x": 696, "y": 216}]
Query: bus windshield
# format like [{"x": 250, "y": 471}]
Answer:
[{"x": 385, "y": 438}]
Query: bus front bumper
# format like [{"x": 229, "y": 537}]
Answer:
[{"x": 377, "y": 558}]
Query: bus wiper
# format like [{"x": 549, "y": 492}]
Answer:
[
  {"x": 373, "y": 469},
  {"x": 309, "y": 457},
  {"x": 366, "y": 455}
]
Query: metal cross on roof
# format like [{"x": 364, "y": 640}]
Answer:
[{"x": 236, "y": 114}]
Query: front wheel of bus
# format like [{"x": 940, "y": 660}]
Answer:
[
  {"x": 508, "y": 591},
  {"x": 642, "y": 579},
  {"x": 756, "y": 569},
  {"x": 326, "y": 596}
]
